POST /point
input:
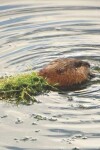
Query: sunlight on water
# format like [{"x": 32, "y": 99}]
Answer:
[{"x": 32, "y": 33}]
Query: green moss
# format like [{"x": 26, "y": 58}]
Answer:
[{"x": 22, "y": 88}]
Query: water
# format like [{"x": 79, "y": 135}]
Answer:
[{"x": 32, "y": 33}]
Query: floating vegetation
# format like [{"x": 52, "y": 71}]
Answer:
[
  {"x": 22, "y": 88},
  {"x": 96, "y": 80},
  {"x": 97, "y": 68},
  {"x": 39, "y": 117},
  {"x": 25, "y": 139}
]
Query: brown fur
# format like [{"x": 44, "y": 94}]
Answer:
[{"x": 66, "y": 72}]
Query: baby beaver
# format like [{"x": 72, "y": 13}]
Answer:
[{"x": 66, "y": 72}]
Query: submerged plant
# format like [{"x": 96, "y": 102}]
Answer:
[{"x": 22, "y": 88}]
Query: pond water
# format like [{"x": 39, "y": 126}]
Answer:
[{"x": 32, "y": 33}]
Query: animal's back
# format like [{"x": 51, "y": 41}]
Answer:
[{"x": 66, "y": 72}]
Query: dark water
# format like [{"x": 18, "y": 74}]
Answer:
[{"x": 32, "y": 33}]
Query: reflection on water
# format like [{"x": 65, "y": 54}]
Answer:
[{"x": 32, "y": 33}]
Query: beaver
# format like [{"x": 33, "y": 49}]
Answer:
[{"x": 66, "y": 72}]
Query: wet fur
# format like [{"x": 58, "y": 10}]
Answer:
[{"x": 66, "y": 72}]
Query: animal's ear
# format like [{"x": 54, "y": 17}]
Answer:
[
  {"x": 78, "y": 64},
  {"x": 86, "y": 64}
]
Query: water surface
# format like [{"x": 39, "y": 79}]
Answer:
[{"x": 32, "y": 33}]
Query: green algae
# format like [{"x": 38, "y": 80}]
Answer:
[{"x": 23, "y": 88}]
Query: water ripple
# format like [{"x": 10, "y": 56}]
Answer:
[{"x": 31, "y": 35}]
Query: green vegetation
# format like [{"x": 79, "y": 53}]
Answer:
[
  {"x": 97, "y": 71},
  {"x": 22, "y": 88},
  {"x": 97, "y": 68}
]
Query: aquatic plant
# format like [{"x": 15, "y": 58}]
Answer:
[
  {"x": 22, "y": 88},
  {"x": 97, "y": 68}
]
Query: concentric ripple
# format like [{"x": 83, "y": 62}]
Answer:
[{"x": 32, "y": 33}]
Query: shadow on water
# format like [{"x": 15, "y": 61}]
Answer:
[{"x": 17, "y": 148}]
